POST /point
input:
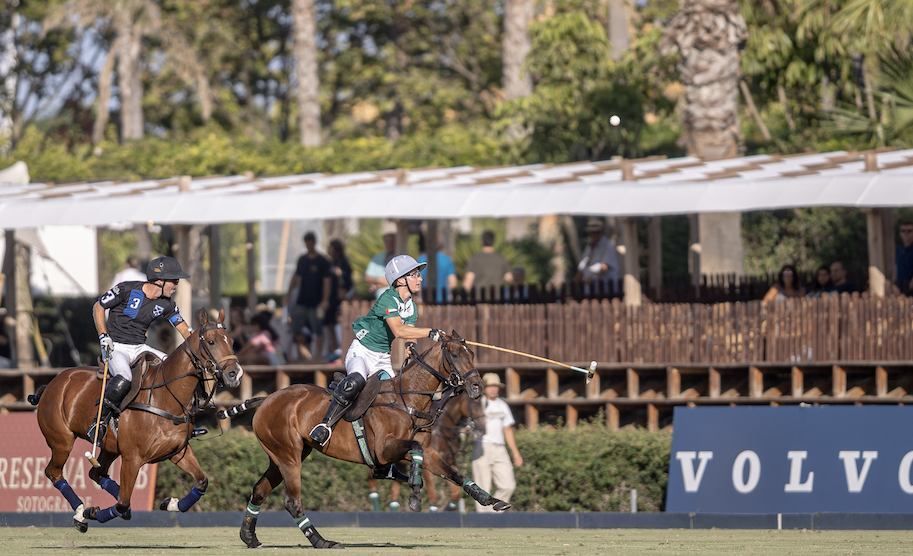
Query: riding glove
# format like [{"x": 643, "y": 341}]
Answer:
[
  {"x": 107, "y": 346},
  {"x": 436, "y": 334}
]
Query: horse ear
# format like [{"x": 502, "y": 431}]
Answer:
[
  {"x": 455, "y": 335},
  {"x": 203, "y": 317},
  {"x": 221, "y": 316}
]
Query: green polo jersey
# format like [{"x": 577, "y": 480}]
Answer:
[{"x": 373, "y": 332}]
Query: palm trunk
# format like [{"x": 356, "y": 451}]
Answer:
[
  {"x": 8, "y": 62},
  {"x": 129, "y": 75},
  {"x": 102, "y": 110},
  {"x": 515, "y": 47},
  {"x": 308, "y": 82},
  {"x": 706, "y": 34},
  {"x": 204, "y": 92},
  {"x": 619, "y": 30}
]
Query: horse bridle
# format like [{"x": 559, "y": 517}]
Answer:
[
  {"x": 208, "y": 363},
  {"x": 451, "y": 386}
]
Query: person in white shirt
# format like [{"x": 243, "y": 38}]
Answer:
[
  {"x": 130, "y": 273},
  {"x": 599, "y": 262},
  {"x": 490, "y": 460}
]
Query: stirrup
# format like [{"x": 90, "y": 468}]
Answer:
[
  {"x": 322, "y": 426},
  {"x": 102, "y": 431}
]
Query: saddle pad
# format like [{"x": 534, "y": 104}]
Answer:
[
  {"x": 365, "y": 398},
  {"x": 143, "y": 362}
]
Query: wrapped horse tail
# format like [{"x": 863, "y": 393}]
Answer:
[{"x": 240, "y": 408}]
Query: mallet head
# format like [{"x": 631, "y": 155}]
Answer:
[{"x": 591, "y": 371}]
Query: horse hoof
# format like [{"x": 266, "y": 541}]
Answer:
[
  {"x": 415, "y": 504},
  {"x": 128, "y": 515},
  {"x": 500, "y": 506},
  {"x": 250, "y": 539},
  {"x": 81, "y": 526},
  {"x": 169, "y": 505},
  {"x": 90, "y": 513}
]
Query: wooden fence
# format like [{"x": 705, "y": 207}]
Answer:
[{"x": 826, "y": 329}]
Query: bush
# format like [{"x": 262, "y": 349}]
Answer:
[{"x": 588, "y": 469}]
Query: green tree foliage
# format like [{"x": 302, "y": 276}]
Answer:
[{"x": 417, "y": 84}]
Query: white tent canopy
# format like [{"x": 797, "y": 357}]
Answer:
[{"x": 659, "y": 187}]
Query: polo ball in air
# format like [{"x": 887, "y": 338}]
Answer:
[{"x": 614, "y": 120}]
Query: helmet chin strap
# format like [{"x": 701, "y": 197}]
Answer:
[{"x": 406, "y": 284}]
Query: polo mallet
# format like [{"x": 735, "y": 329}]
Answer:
[
  {"x": 101, "y": 401},
  {"x": 590, "y": 372}
]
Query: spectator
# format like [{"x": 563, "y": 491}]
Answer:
[
  {"x": 130, "y": 272},
  {"x": 340, "y": 289},
  {"x": 374, "y": 273},
  {"x": 261, "y": 347},
  {"x": 446, "y": 272},
  {"x": 487, "y": 268},
  {"x": 787, "y": 285},
  {"x": 312, "y": 281},
  {"x": 838, "y": 276},
  {"x": 599, "y": 263},
  {"x": 903, "y": 258},
  {"x": 490, "y": 460},
  {"x": 822, "y": 283}
]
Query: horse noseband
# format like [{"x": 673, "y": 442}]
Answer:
[{"x": 456, "y": 381}]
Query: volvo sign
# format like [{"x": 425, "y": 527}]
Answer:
[{"x": 791, "y": 460}]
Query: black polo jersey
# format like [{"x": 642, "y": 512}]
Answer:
[{"x": 132, "y": 313}]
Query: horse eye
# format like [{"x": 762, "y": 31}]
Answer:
[{"x": 210, "y": 342}]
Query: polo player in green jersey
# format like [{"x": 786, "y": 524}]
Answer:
[{"x": 392, "y": 316}]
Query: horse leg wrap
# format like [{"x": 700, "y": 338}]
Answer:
[
  {"x": 67, "y": 491},
  {"x": 477, "y": 493},
  {"x": 249, "y": 526},
  {"x": 107, "y": 514},
  {"x": 317, "y": 541},
  {"x": 415, "y": 471},
  {"x": 110, "y": 486},
  {"x": 190, "y": 499}
]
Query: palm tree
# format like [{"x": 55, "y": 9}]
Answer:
[
  {"x": 308, "y": 82},
  {"x": 707, "y": 36}
]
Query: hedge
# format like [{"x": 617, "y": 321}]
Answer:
[{"x": 588, "y": 469}]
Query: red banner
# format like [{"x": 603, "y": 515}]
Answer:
[{"x": 24, "y": 488}]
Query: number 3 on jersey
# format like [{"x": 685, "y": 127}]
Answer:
[{"x": 133, "y": 304}]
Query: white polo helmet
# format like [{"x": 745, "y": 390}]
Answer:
[{"x": 399, "y": 266}]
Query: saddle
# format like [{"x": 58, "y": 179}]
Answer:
[
  {"x": 138, "y": 368},
  {"x": 365, "y": 398}
]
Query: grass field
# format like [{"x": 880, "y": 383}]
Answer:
[{"x": 525, "y": 542}]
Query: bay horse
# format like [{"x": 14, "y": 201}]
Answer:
[
  {"x": 395, "y": 429},
  {"x": 462, "y": 419},
  {"x": 157, "y": 426}
]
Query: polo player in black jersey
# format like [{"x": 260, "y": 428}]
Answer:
[{"x": 133, "y": 307}]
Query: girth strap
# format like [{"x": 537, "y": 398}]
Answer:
[
  {"x": 161, "y": 413},
  {"x": 358, "y": 428}
]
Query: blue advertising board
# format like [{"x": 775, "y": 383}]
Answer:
[{"x": 791, "y": 459}]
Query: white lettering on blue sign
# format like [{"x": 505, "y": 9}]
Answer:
[
  {"x": 741, "y": 484},
  {"x": 796, "y": 484},
  {"x": 691, "y": 478}
]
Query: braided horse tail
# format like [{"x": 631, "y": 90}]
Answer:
[{"x": 242, "y": 407}]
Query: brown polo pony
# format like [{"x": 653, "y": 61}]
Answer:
[
  {"x": 156, "y": 426},
  {"x": 396, "y": 427},
  {"x": 462, "y": 419}
]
